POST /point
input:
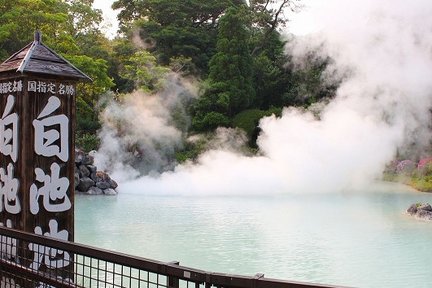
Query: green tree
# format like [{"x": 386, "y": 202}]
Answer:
[
  {"x": 142, "y": 68},
  {"x": 175, "y": 28},
  {"x": 230, "y": 87}
]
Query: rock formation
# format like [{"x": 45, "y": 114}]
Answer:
[
  {"x": 90, "y": 181},
  {"x": 421, "y": 211}
]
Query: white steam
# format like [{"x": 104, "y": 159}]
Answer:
[
  {"x": 144, "y": 130},
  {"x": 382, "y": 107}
]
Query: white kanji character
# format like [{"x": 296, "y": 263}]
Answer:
[
  {"x": 17, "y": 86},
  {"x": 41, "y": 87},
  {"x": 62, "y": 89},
  {"x": 51, "y": 88},
  {"x": 53, "y": 191},
  {"x": 51, "y": 257},
  {"x": 9, "y": 191},
  {"x": 70, "y": 90},
  {"x": 5, "y": 87},
  {"x": 9, "y": 136},
  {"x": 8, "y": 245},
  {"x": 10, "y": 87},
  {"x": 44, "y": 140},
  {"x": 31, "y": 86}
]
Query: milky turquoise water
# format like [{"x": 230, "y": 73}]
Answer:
[{"x": 359, "y": 239}]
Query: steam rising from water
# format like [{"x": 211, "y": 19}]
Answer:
[{"x": 382, "y": 107}]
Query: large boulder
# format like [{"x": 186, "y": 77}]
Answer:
[{"x": 84, "y": 184}]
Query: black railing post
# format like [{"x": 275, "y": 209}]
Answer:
[{"x": 173, "y": 282}]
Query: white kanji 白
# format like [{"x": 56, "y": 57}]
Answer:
[
  {"x": 9, "y": 191},
  {"x": 9, "y": 130},
  {"x": 53, "y": 191},
  {"x": 8, "y": 245},
  {"x": 51, "y": 257},
  {"x": 51, "y": 142}
]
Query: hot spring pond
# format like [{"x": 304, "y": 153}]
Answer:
[{"x": 359, "y": 239}]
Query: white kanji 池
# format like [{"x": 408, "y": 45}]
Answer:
[
  {"x": 51, "y": 257},
  {"x": 9, "y": 191},
  {"x": 48, "y": 140},
  {"x": 9, "y": 130},
  {"x": 53, "y": 191}
]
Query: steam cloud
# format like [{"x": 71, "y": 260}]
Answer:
[{"x": 384, "y": 49}]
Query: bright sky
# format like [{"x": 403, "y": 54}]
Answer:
[
  {"x": 300, "y": 23},
  {"x": 110, "y": 24}
]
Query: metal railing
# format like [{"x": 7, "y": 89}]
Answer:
[{"x": 30, "y": 260}]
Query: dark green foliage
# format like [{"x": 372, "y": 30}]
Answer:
[
  {"x": 248, "y": 120},
  {"x": 230, "y": 87},
  {"x": 175, "y": 28},
  {"x": 87, "y": 142},
  {"x": 307, "y": 85},
  {"x": 210, "y": 121}
]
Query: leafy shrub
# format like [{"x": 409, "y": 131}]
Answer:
[{"x": 87, "y": 142}]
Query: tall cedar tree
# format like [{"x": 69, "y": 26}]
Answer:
[{"x": 230, "y": 79}]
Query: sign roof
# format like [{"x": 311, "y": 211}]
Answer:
[{"x": 36, "y": 58}]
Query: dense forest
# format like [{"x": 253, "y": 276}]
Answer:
[{"x": 233, "y": 48}]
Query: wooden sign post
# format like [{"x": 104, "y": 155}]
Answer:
[{"x": 37, "y": 124}]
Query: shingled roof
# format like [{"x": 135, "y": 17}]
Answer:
[{"x": 36, "y": 58}]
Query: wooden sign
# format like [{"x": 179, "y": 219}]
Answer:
[{"x": 37, "y": 124}]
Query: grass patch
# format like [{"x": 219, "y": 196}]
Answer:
[{"x": 421, "y": 184}]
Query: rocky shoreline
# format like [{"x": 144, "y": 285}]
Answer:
[
  {"x": 88, "y": 180},
  {"x": 422, "y": 211}
]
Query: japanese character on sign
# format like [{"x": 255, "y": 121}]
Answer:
[
  {"x": 51, "y": 257},
  {"x": 70, "y": 90},
  {"x": 9, "y": 191},
  {"x": 45, "y": 140},
  {"x": 54, "y": 189},
  {"x": 41, "y": 87},
  {"x": 17, "y": 86},
  {"x": 51, "y": 88},
  {"x": 9, "y": 136},
  {"x": 62, "y": 89},
  {"x": 38, "y": 86},
  {"x": 31, "y": 86}
]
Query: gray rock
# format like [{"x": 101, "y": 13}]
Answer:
[
  {"x": 425, "y": 206},
  {"x": 103, "y": 185},
  {"x": 79, "y": 156},
  {"x": 412, "y": 210},
  {"x": 93, "y": 176},
  {"x": 87, "y": 160},
  {"x": 95, "y": 191},
  {"x": 84, "y": 184},
  {"x": 102, "y": 176},
  {"x": 92, "y": 168},
  {"x": 424, "y": 214},
  {"x": 84, "y": 172},
  {"x": 110, "y": 192},
  {"x": 113, "y": 184}
]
